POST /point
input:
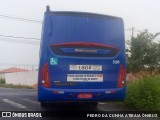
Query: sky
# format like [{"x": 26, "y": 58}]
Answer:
[{"x": 140, "y": 14}]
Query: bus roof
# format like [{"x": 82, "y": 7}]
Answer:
[{"x": 83, "y": 14}]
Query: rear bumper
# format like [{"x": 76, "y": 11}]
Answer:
[{"x": 64, "y": 95}]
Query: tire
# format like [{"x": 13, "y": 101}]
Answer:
[
  {"x": 90, "y": 104},
  {"x": 93, "y": 104},
  {"x": 43, "y": 104}
]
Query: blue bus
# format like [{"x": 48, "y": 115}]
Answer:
[{"x": 82, "y": 58}]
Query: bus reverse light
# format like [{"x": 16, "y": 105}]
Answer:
[{"x": 45, "y": 80}]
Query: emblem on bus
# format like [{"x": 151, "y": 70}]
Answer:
[
  {"x": 53, "y": 61},
  {"x": 87, "y": 50}
]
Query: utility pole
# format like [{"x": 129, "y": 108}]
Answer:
[
  {"x": 132, "y": 32},
  {"x": 132, "y": 29},
  {"x": 32, "y": 68},
  {"x": 27, "y": 67}
]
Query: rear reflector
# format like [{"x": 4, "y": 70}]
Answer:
[
  {"x": 45, "y": 79},
  {"x": 110, "y": 92},
  {"x": 121, "y": 78},
  {"x": 57, "y": 92}
]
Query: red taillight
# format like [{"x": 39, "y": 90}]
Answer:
[
  {"x": 121, "y": 77},
  {"x": 83, "y": 44},
  {"x": 45, "y": 79}
]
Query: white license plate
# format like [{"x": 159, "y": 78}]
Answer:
[
  {"x": 86, "y": 67},
  {"x": 84, "y": 77}
]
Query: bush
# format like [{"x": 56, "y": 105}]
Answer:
[
  {"x": 2, "y": 81},
  {"x": 144, "y": 94},
  {"x": 15, "y": 86}
]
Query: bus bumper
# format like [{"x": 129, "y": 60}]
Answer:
[{"x": 64, "y": 95}]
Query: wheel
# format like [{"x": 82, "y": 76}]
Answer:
[
  {"x": 90, "y": 104},
  {"x": 43, "y": 104},
  {"x": 93, "y": 104}
]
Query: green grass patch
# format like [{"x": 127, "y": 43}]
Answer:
[
  {"x": 15, "y": 86},
  {"x": 2, "y": 84},
  {"x": 2, "y": 81},
  {"x": 144, "y": 94}
]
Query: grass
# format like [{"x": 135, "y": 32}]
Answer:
[
  {"x": 2, "y": 84},
  {"x": 2, "y": 81},
  {"x": 15, "y": 86},
  {"x": 144, "y": 94}
]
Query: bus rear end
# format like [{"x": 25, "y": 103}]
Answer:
[{"x": 82, "y": 58}]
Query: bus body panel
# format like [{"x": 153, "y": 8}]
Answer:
[{"x": 81, "y": 53}]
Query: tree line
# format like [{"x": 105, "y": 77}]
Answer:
[{"x": 143, "y": 53}]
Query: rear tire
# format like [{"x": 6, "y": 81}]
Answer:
[
  {"x": 90, "y": 104},
  {"x": 93, "y": 104},
  {"x": 43, "y": 104}
]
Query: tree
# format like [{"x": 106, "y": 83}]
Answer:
[{"x": 144, "y": 53}]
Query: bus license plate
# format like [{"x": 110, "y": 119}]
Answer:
[
  {"x": 86, "y": 67},
  {"x": 84, "y": 95}
]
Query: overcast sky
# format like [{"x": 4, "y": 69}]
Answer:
[{"x": 140, "y": 14}]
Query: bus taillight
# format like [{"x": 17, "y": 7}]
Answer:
[
  {"x": 121, "y": 77},
  {"x": 45, "y": 79}
]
